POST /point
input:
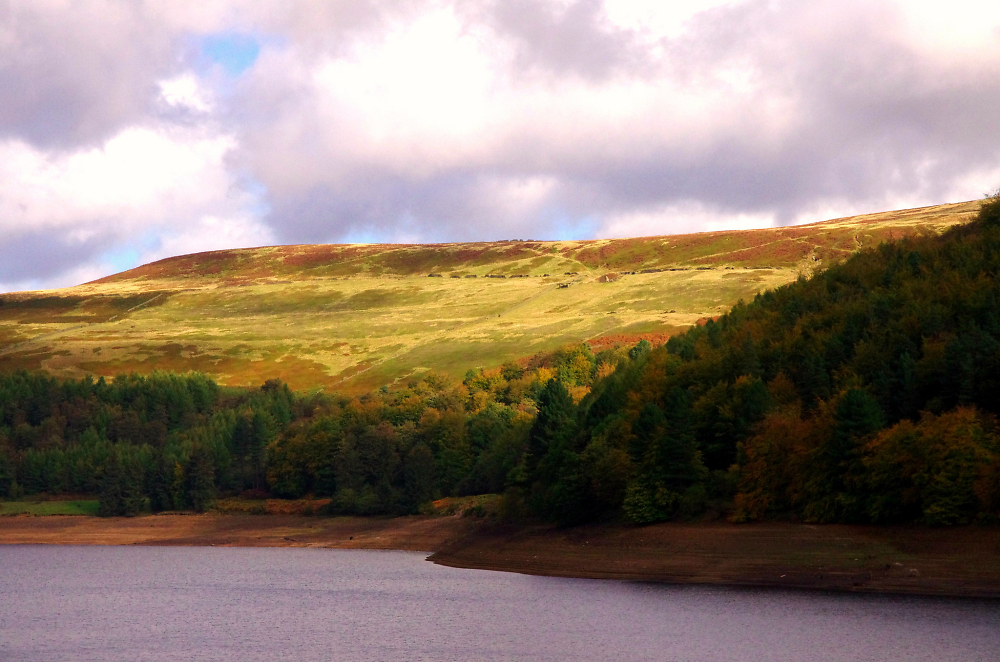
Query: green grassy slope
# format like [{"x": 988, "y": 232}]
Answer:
[
  {"x": 351, "y": 317},
  {"x": 86, "y": 507}
]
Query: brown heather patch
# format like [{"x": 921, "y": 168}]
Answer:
[
  {"x": 10, "y": 335},
  {"x": 325, "y": 254},
  {"x": 784, "y": 253},
  {"x": 465, "y": 254},
  {"x": 418, "y": 259},
  {"x": 26, "y": 360},
  {"x": 626, "y": 340},
  {"x": 235, "y": 505},
  {"x": 197, "y": 264},
  {"x": 299, "y": 373},
  {"x": 515, "y": 252}
]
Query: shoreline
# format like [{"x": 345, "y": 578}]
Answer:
[
  {"x": 909, "y": 560},
  {"x": 947, "y": 562}
]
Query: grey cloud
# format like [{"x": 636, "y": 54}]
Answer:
[
  {"x": 872, "y": 119},
  {"x": 567, "y": 40},
  {"x": 77, "y": 72},
  {"x": 458, "y": 206},
  {"x": 40, "y": 257}
]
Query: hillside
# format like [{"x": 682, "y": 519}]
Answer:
[
  {"x": 353, "y": 317},
  {"x": 867, "y": 393}
]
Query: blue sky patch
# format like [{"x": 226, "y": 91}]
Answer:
[
  {"x": 563, "y": 227},
  {"x": 122, "y": 260},
  {"x": 234, "y": 52}
]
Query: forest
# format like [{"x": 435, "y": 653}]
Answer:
[
  {"x": 867, "y": 393},
  {"x": 173, "y": 442}
]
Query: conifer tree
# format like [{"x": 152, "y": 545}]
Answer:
[
  {"x": 111, "y": 502},
  {"x": 160, "y": 474},
  {"x": 554, "y": 424},
  {"x": 132, "y": 494},
  {"x": 200, "y": 479}
]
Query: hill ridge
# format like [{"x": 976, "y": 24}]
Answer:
[
  {"x": 785, "y": 246},
  {"x": 358, "y": 316}
]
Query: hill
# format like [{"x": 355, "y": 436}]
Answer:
[
  {"x": 354, "y": 317},
  {"x": 867, "y": 393}
]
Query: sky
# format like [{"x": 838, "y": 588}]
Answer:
[{"x": 133, "y": 131}]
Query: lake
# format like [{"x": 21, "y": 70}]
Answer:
[{"x": 247, "y": 604}]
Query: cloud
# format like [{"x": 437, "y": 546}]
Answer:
[
  {"x": 141, "y": 129},
  {"x": 152, "y": 192},
  {"x": 749, "y": 110},
  {"x": 77, "y": 71},
  {"x": 183, "y": 92}
]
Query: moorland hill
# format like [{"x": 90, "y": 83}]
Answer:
[{"x": 354, "y": 317}]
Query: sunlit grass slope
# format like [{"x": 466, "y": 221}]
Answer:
[{"x": 350, "y": 317}]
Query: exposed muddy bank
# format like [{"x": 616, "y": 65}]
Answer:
[
  {"x": 957, "y": 561},
  {"x": 914, "y": 560}
]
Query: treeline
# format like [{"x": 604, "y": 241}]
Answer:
[
  {"x": 867, "y": 393},
  {"x": 167, "y": 442}
]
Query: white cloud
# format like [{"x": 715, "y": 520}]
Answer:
[
  {"x": 964, "y": 30},
  {"x": 680, "y": 218},
  {"x": 185, "y": 92},
  {"x": 149, "y": 191},
  {"x": 209, "y": 233},
  {"x": 138, "y": 177}
]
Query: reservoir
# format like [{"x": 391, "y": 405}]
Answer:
[{"x": 247, "y": 604}]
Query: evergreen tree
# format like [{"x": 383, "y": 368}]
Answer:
[
  {"x": 669, "y": 464},
  {"x": 7, "y": 475},
  {"x": 554, "y": 424},
  {"x": 111, "y": 502},
  {"x": 241, "y": 443},
  {"x": 559, "y": 485},
  {"x": 837, "y": 489},
  {"x": 200, "y": 479},
  {"x": 133, "y": 499},
  {"x": 161, "y": 471}
]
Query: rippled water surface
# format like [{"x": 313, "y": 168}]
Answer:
[{"x": 203, "y": 603}]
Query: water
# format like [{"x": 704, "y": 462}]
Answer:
[{"x": 203, "y": 603}]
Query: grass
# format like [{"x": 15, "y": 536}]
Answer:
[
  {"x": 85, "y": 507},
  {"x": 354, "y": 317}
]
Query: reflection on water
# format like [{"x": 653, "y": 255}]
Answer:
[{"x": 201, "y": 603}]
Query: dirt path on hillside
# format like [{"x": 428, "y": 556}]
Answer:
[{"x": 957, "y": 561}]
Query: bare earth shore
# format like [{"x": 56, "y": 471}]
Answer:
[{"x": 958, "y": 561}]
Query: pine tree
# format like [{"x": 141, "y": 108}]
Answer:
[
  {"x": 241, "y": 444},
  {"x": 132, "y": 494},
  {"x": 554, "y": 424},
  {"x": 835, "y": 486},
  {"x": 7, "y": 476},
  {"x": 160, "y": 474},
  {"x": 111, "y": 502},
  {"x": 200, "y": 479}
]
